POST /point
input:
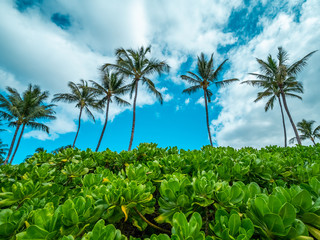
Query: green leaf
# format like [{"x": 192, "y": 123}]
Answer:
[
  {"x": 274, "y": 224},
  {"x": 288, "y": 214},
  {"x": 311, "y": 218},
  {"x": 7, "y": 229},
  {"x": 261, "y": 206},
  {"x": 234, "y": 224},
  {"x": 34, "y": 233},
  {"x": 302, "y": 200},
  {"x": 274, "y": 204}
]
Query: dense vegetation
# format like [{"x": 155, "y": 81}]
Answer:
[{"x": 156, "y": 193}]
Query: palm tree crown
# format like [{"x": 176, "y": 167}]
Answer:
[
  {"x": 84, "y": 98},
  {"x": 111, "y": 87},
  {"x": 307, "y": 132},
  {"x": 134, "y": 64},
  {"x": 25, "y": 110},
  {"x": 206, "y": 76}
]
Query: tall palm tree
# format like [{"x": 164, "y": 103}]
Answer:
[
  {"x": 135, "y": 64},
  {"x": 307, "y": 131},
  {"x": 205, "y": 77},
  {"x": 83, "y": 96},
  {"x": 280, "y": 72},
  {"x": 111, "y": 87},
  {"x": 10, "y": 110},
  {"x": 25, "y": 110},
  {"x": 271, "y": 91}
]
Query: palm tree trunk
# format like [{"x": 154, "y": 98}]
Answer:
[
  {"x": 289, "y": 115},
  {"x": 283, "y": 123},
  {"x": 75, "y": 139},
  {"x": 12, "y": 143},
  {"x": 312, "y": 139},
  {"x": 134, "y": 114},
  {"x": 105, "y": 125},
  {"x": 14, "y": 153},
  {"x": 207, "y": 116}
]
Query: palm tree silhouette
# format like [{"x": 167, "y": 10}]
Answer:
[
  {"x": 25, "y": 110},
  {"x": 135, "y": 64},
  {"x": 205, "y": 77},
  {"x": 291, "y": 88},
  {"x": 111, "y": 87},
  {"x": 83, "y": 96},
  {"x": 279, "y": 72},
  {"x": 307, "y": 132}
]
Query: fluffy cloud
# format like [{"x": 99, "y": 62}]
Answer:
[
  {"x": 244, "y": 123},
  {"x": 200, "y": 101}
]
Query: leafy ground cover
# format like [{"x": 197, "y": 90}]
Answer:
[{"x": 163, "y": 193}]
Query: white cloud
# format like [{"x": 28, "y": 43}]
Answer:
[
  {"x": 187, "y": 101},
  {"x": 244, "y": 123},
  {"x": 166, "y": 96},
  {"x": 35, "y": 50},
  {"x": 201, "y": 101}
]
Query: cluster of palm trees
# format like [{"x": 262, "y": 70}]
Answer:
[
  {"x": 278, "y": 81},
  {"x": 307, "y": 131},
  {"x": 28, "y": 109}
]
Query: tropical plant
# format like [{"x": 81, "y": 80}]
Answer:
[
  {"x": 282, "y": 76},
  {"x": 111, "y": 87},
  {"x": 135, "y": 64},
  {"x": 168, "y": 194},
  {"x": 272, "y": 92},
  {"x": 206, "y": 76},
  {"x": 83, "y": 96},
  {"x": 307, "y": 132},
  {"x": 25, "y": 110}
]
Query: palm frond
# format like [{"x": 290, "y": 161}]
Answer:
[
  {"x": 297, "y": 67},
  {"x": 152, "y": 89},
  {"x": 192, "y": 89},
  {"x": 223, "y": 83},
  {"x": 191, "y": 80},
  {"x": 121, "y": 102},
  {"x": 89, "y": 113}
]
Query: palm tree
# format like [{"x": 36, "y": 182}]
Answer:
[
  {"x": 24, "y": 111},
  {"x": 111, "y": 87},
  {"x": 305, "y": 128},
  {"x": 135, "y": 64},
  {"x": 83, "y": 96},
  {"x": 271, "y": 91},
  {"x": 12, "y": 112},
  {"x": 279, "y": 72},
  {"x": 205, "y": 77}
]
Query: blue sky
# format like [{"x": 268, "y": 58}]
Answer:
[{"x": 49, "y": 43}]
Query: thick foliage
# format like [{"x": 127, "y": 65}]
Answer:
[{"x": 162, "y": 194}]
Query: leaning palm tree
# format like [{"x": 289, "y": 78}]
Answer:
[
  {"x": 279, "y": 72},
  {"x": 111, "y": 87},
  {"x": 205, "y": 77},
  {"x": 83, "y": 96},
  {"x": 135, "y": 64},
  {"x": 32, "y": 120},
  {"x": 25, "y": 110},
  {"x": 10, "y": 110},
  {"x": 307, "y": 132},
  {"x": 291, "y": 88}
]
